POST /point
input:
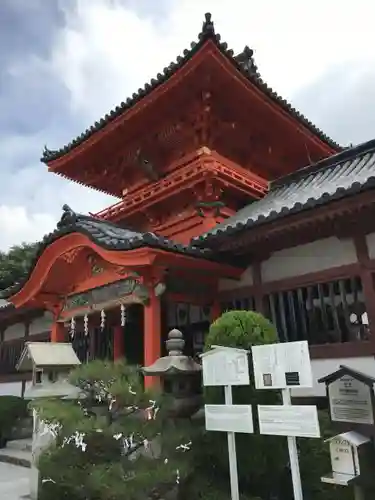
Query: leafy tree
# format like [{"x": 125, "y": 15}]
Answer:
[{"x": 15, "y": 263}]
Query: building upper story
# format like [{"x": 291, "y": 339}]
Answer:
[{"x": 208, "y": 161}]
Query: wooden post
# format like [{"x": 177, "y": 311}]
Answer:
[
  {"x": 27, "y": 331},
  {"x": 367, "y": 281},
  {"x": 118, "y": 342},
  {"x": 57, "y": 332},
  {"x": 257, "y": 282},
  {"x": 215, "y": 310},
  {"x": 152, "y": 334}
]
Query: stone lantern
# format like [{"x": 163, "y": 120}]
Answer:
[
  {"x": 179, "y": 374},
  {"x": 50, "y": 364}
]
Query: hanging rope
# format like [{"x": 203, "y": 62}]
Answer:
[
  {"x": 86, "y": 324},
  {"x": 102, "y": 319},
  {"x": 72, "y": 327},
  {"x": 123, "y": 315}
]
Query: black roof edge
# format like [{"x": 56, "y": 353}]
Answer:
[
  {"x": 207, "y": 33},
  {"x": 346, "y": 370},
  {"x": 67, "y": 225},
  {"x": 330, "y": 161}
]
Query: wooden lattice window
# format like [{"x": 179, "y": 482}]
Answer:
[
  {"x": 240, "y": 304},
  {"x": 320, "y": 313}
]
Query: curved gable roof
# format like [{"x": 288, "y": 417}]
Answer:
[
  {"x": 243, "y": 62},
  {"x": 108, "y": 236}
]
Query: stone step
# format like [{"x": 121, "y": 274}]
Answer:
[
  {"x": 20, "y": 444},
  {"x": 15, "y": 457}
]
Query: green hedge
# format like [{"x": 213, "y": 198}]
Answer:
[{"x": 12, "y": 408}]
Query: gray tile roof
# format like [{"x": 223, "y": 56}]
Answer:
[
  {"x": 109, "y": 236},
  {"x": 346, "y": 173},
  {"x": 114, "y": 237},
  {"x": 243, "y": 62}
]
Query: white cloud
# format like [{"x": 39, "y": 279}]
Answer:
[
  {"x": 16, "y": 222},
  {"x": 106, "y": 51}
]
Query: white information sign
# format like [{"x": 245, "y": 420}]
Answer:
[
  {"x": 350, "y": 401},
  {"x": 224, "y": 366},
  {"x": 297, "y": 421},
  {"x": 229, "y": 418},
  {"x": 278, "y": 366}
]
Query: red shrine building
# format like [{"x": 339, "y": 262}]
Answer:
[{"x": 229, "y": 198}]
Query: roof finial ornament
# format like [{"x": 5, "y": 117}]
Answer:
[
  {"x": 47, "y": 153},
  {"x": 246, "y": 61},
  {"x": 208, "y": 28},
  {"x": 68, "y": 217}
]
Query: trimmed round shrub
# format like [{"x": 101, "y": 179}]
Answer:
[{"x": 241, "y": 329}]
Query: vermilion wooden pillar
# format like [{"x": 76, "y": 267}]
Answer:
[
  {"x": 57, "y": 332},
  {"x": 118, "y": 342},
  {"x": 215, "y": 311},
  {"x": 367, "y": 281},
  {"x": 152, "y": 334}
]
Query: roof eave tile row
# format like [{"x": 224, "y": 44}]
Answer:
[{"x": 207, "y": 33}]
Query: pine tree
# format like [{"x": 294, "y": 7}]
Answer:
[{"x": 116, "y": 442}]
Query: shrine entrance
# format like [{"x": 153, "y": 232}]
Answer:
[
  {"x": 132, "y": 334},
  {"x": 116, "y": 293},
  {"x": 111, "y": 340}
]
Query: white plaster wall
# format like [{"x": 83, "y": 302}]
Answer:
[
  {"x": 312, "y": 257},
  {"x": 41, "y": 324},
  {"x": 28, "y": 385},
  {"x": 246, "y": 280},
  {"x": 322, "y": 367},
  {"x": 370, "y": 239},
  {"x": 16, "y": 331},
  {"x": 10, "y": 388}
]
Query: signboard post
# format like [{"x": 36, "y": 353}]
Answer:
[
  {"x": 293, "y": 455},
  {"x": 227, "y": 366},
  {"x": 282, "y": 366},
  {"x": 233, "y": 473},
  {"x": 351, "y": 396}
]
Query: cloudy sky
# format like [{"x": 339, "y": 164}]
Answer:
[{"x": 65, "y": 63}]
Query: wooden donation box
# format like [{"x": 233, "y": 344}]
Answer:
[
  {"x": 350, "y": 457},
  {"x": 351, "y": 403}
]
